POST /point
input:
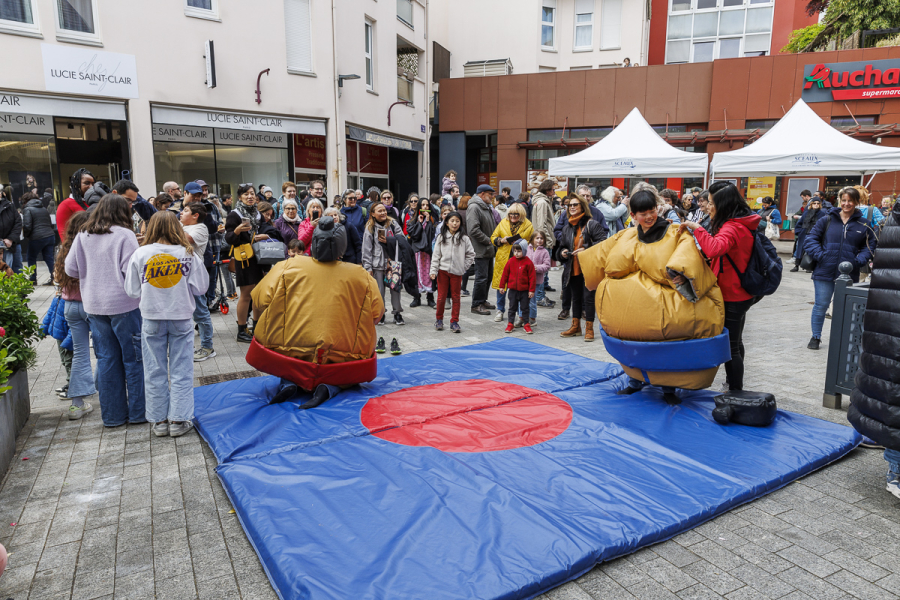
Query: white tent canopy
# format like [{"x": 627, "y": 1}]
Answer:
[
  {"x": 801, "y": 143},
  {"x": 633, "y": 149}
]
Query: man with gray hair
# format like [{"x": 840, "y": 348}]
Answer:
[
  {"x": 174, "y": 191},
  {"x": 613, "y": 209}
]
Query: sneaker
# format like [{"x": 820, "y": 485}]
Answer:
[
  {"x": 465, "y": 293},
  {"x": 161, "y": 429},
  {"x": 498, "y": 317},
  {"x": 63, "y": 393},
  {"x": 532, "y": 321},
  {"x": 381, "y": 322},
  {"x": 76, "y": 412},
  {"x": 488, "y": 305},
  {"x": 244, "y": 337},
  {"x": 177, "y": 429},
  {"x": 417, "y": 301},
  {"x": 893, "y": 487},
  {"x": 791, "y": 260},
  {"x": 454, "y": 327},
  {"x": 204, "y": 354},
  {"x": 439, "y": 325},
  {"x": 518, "y": 322},
  {"x": 395, "y": 347},
  {"x": 233, "y": 296},
  {"x": 563, "y": 315},
  {"x": 398, "y": 319},
  {"x": 480, "y": 310},
  {"x": 527, "y": 328},
  {"x": 509, "y": 328},
  {"x": 813, "y": 343},
  {"x": 380, "y": 347},
  {"x": 827, "y": 315},
  {"x": 546, "y": 303},
  {"x": 62, "y": 390},
  {"x": 547, "y": 288}
]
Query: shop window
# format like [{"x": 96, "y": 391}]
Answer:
[
  {"x": 298, "y": 30},
  {"x": 370, "y": 56},
  {"x": 539, "y": 160},
  {"x": 181, "y": 162},
  {"x": 584, "y": 24},
  {"x": 610, "y": 24},
  {"x": 18, "y": 16},
  {"x": 202, "y": 9},
  {"x": 239, "y": 164},
  {"x": 548, "y": 25},
  {"x": 405, "y": 11},
  {"x": 28, "y": 162},
  {"x": 77, "y": 21}
]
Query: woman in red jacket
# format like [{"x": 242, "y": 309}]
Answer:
[
  {"x": 80, "y": 182},
  {"x": 728, "y": 244}
]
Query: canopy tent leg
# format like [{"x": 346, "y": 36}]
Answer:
[{"x": 870, "y": 179}]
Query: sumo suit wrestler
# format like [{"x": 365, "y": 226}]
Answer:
[
  {"x": 638, "y": 301},
  {"x": 315, "y": 320}
]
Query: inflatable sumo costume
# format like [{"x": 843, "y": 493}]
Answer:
[
  {"x": 663, "y": 334},
  {"x": 317, "y": 327}
]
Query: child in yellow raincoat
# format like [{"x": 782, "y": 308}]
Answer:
[
  {"x": 511, "y": 229},
  {"x": 638, "y": 301}
]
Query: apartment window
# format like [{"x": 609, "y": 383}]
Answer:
[
  {"x": 298, "y": 32},
  {"x": 202, "y": 9},
  {"x": 407, "y": 70},
  {"x": 77, "y": 20},
  {"x": 584, "y": 24},
  {"x": 18, "y": 16},
  {"x": 704, "y": 30},
  {"x": 610, "y": 24},
  {"x": 548, "y": 24},
  {"x": 405, "y": 11},
  {"x": 370, "y": 56}
]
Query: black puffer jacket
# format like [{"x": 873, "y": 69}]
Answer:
[
  {"x": 10, "y": 222},
  {"x": 36, "y": 224},
  {"x": 875, "y": 402}
]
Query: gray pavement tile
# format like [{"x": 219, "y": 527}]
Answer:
[
  {"x": 163, "y": 522},
  {"x": 746, "y": 593},
  {"x": 806, "y": 540},
  {"x": 845, "y": 541},
  {"x": 760, "y": 518},
  {"x": 763, "y": 558},
  {"x": 135, "y": 519},
  {"x": 133, "y": 539},
  {"x": 809, "y": 561},
  {"x": 761, "y": 581},
  {"x": 698, "y": 592},
  {"x": 102, "y": 517},
  {"x": 214, "y": 564},
  {"x": 810, "y": 584},
  {"x": 712, "y": 577},
  {"x": 52, "y": 581},
  {"x": 25, "y": 554},
  {"x": 668, "y": 575},
  {"x": 717, "y": 555},
  {"x": 36, "y": 512},
  {"x": 31, "y": 532},
  {"x": 856, "y": 565},
  {"x": 180, "y": 587},
  {"x": 641, "y": 556},
  {"x": 763, "y": 538},
  {"x": 133, "y": 561},
  {"x": 675, "y": 553},
  {"x": 886, "y": 560},
  {"x": 650, "y": 589},
  {"x": 623, "y": 572},
  {"x": 859, "y": 587},
  {"x": 568, "y": 591},
  {"x": 17, "y": 578},
  {"x": 600, "y": 585},
  {"x": 891, "y": 583},
  {"x": 92, "y": 582},
  {"x": 58, "y": 557},
  {"x": 138, "y": 586},
  {"x": 223, "y": 588}
]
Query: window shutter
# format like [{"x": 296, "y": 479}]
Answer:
[
  {"x": 298, "y": 33},
  {"x": 610, "y": 24},
  {"x": 583, "y": 7}
]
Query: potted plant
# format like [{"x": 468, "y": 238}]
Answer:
[{"x": 19, "y": 330}]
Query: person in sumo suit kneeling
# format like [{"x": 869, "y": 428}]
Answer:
[
  {"x": 653, "y": 285},
  {"x": 315, "y": 320}
]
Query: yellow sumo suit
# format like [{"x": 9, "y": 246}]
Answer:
[{"x": 637, "y": 301}]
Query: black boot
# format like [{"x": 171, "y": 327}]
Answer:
[
  {"x": 287, "y": 391},
  {"x": 795, "y": 269},
  {"x": 243, "y": 336},
  {"x": 671, "y": 398},
  {"x": 628, "y": 391},
  {"x": 417, "y": 301},
  {"x": 430, "y": 298},
  {"x": 319, "y": 396}
]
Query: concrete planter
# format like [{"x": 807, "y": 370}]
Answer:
[{"x": 15, "y": 407}]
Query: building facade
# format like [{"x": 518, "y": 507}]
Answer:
[
  {"x": 292, "y": 90},
  {"x": 706, "y": 107}
]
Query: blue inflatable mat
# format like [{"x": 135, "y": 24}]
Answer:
[{"x": 499, "y": 470}]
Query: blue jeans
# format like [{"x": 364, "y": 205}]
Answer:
[
  {"x": 168, "y": 348},
  {"x": 893, "y": 459},
  {"x": 120, "y": 372},
  {"x": 538, "y": 294},
  {"x": 204, "y": 321},
  {"x": 501, "y": 302},
  {"x": 824, "y": 293},
  {"x": 44, "y": 248},
  {"x": 81, "y": 379},
  {"x": 13, "y": 257}
]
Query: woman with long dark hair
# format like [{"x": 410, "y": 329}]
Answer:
[
  {"x": 728, "y": 244},
  {"x": 242, "y": 226},
  {"x": 579, "y": 232},
  {"x": 99, "y": 259},
  {"x": 80, "y": 182},
  {"x": 379, "y": 247},
  {"x": 420, "y": 228}
]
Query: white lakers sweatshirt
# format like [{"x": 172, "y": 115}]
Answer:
[{"x": 166, "y": 279}]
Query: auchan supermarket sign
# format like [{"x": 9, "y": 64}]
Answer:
[{"x": 861, "y": 80}]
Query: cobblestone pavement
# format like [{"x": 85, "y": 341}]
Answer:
[{"x": 118, "y": 513}]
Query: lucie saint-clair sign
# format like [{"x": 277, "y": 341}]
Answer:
[
  {"x": 860, "y": 80},
  {"x": 88, "y": 71}
]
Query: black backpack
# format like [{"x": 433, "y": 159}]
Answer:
[{"x": 763, "y": 274}]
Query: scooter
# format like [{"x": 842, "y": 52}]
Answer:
[{"x": 221, "y": 302}]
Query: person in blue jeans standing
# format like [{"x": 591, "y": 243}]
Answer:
[
  {"x": 99, "y": 260},
  {"x": 38, "y": 229},
  {"x": 842, "y": 235},
  {"x": 197, "y": 234},
  {"x": 167, "y": 274}
]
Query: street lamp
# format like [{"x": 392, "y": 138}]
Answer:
[{"x": 341, "y": 79}]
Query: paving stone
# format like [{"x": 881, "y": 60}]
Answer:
[
  {"x": 698, "y": 592},
  {"x": 809, "y": 561},
  {"x": 763, "y": 558},
  {"x": 568, "y": 591},
  {"x": 810, "y": 584},
  {"x": 717, "y": 555},
  {"x": 17, "y": 578},
  {"x": 854, "y": 545},
  {"x": 91, "y": 582},
  {"x": 180, "y": 587},
  {"x": 761, "y": 581},
  {"x": 667, "y": 575},
  {"x": 856, "y": 565},
  {"x": 713, "y": 577},
  {"x": 600, "y": 585},
  {"x": 138, "y": 586},
  {"x": 650, "y": 589},
  {"x": 223, "y": 588},
  {"x": 133, "y": 561},
  {"x": 623, "y": 572},
  {"x": 859, "y": 587},
  {"x": 675, "y": 553},
  {"x": 746, "y": 593}
]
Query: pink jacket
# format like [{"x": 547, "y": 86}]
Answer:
[
  {"x": 304, "y": 234},
  {"x": 541, "y": 259}
]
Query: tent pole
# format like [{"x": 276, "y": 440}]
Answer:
[{"x": 870, "y": 179}]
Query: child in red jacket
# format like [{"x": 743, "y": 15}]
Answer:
[{"x": 519, "y": 278}]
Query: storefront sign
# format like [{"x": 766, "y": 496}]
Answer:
[
  {"x": 257, "y": 139},
  {"x": 309, "y": 152},
  {"x": 87, "y": 71},
  {"x": 235, "y": 120},
  {"x": 372, "y": 160},
  {"x": 488, "y": 178},
  {"x": 20, "y": 123},
  {"x": 180, "y": 133},
  {"x": 758, "y": 188},
  {"x": 371, "y": 137},
  {"x": 32, "y": 104},
  {"x": 859, "y": 80}
]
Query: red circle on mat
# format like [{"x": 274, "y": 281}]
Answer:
[{"x": 477, "y": 415}]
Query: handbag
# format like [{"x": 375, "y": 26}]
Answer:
[
  {"x": 393, "y": 271},
  {"x": 772, "y": 231},
  {"x": 242, "y": 254},
  {"x": 807, "y": 262},
  {"x": 268, "y": 252}
]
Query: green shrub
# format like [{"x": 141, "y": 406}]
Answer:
[
  {"x": 801, "y": 38},
  {"x": 21, "y": 325}
]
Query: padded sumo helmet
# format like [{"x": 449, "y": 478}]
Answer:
[{"x": 329, "y": 241}]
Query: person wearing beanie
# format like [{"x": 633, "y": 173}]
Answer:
[
  {"x": 519, "y": 280},
  {"x": 318, "y": 352}
]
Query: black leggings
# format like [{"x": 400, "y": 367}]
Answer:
[
  {"x": 735, "y": 317},
  {"x": 582, "y": 299}
]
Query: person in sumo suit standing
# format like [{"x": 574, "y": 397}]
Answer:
[
  {"x": 318, "y": 351},
  {"x": 654, "y": 286}
]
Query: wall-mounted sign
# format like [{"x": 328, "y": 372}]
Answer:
[
  {"x": 367, "y": 159},
  {"x": 33, "y": 104},
  {"x": 257, "y": 139},
  {"x": 21, "y": 123},
  {"x": 180, "y": 133},
  {"x": 379, "y": 139},
  {"x": 859, "y": 80},
  {"x": 309, "y": 152},
  {"x": 232, "y": 120},
  {"x": 87, "y": 71}
]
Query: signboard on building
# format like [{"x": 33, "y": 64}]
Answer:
[
  {"x": 33, "y": 104},
  {"x": 21, "y": 123},
  {"x": 366, "y": 158},
  {"x": 309, "y": 152},
  {"x": 488, "y": 178},
  {"x": 859, "y": 80},
  {"x": 234, "y": 120},
  {"x": 255, "y": 139},
  {"x": 182, "y": 133},
  {"x": 88, "y": 71},
  {"x": 758, "y": 188}
]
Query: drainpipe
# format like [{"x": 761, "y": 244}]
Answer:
[{"x": 338, "y": 126}]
